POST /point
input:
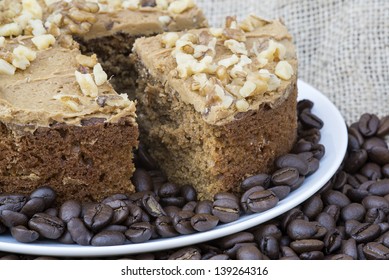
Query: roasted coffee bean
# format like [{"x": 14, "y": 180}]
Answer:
[
  {"x": 374, "y": 201},
  {"x": 361, "y": 254},
  {"x": 336, "y": 198},
  {"x": 12, "y": 202},
  {"x": 79, "y": 232},
  {"x": 204, "y": 222},
  {"x": 313, "y": 255},
  {"x": 204, "y": 207},
  {"x": 33, "y": 206},
  {"x": 120, "y": 228},
  {"x": 339, "y": 257},
  {"x": 220, "y": 257},
  {"x": 297, "y": 184},
  {"x": 23, "y": 234},
  {"x": 249, "y": 253},
  {"x": 269, "y": 246},
  {"x": 227, "y": 210},
  {"x": 353, "y": 211},
  {"x": 169, "y": 190},
  {"x": 312, "y": 135},
  {"x": 66, "y": 238},
  {"x": 306, "y": 245},
  {"x": 368, "y": 124},
  {"x": 349, "y": 247},
  {"x": 47, "y": 226},
  {"x": 340, "y": 180},
  {"x": 226, "y": 196},
  {"x": 354, "y": 131},
  {"x": 355, "y": 160},
  {"x": 365, "y": 232},
  {"x": 285, "y": 176},
  {"x": 145, "y": 159},
  {"x": 97, "y": 215},
  {"x": 304, "y": 104},
  {"x": 261, "y": 179},
  {"x": 152, "y": 206},
  {"x": 52, "y": 211},
  {"x": 357, "y": 195},
  {"x": 182, "y": 222},
  {"x": 288, "y": 254},
  {"x": 375, "y": 216},
  {"x": 12, "y": 219},
  {"x": 164, "y": 227},
  {"x": 353, "y": 143},
  {"x": 376, "y": 251},
  {"x": 326, "y": 220},
  {"x": 191, "y": 206},
  {"x": 280, "y": 191},
  {"x": 310, "y": 120},
  {"x": 189, "y": 253},
  {"x": 108, "y": 238},
  {"x": 171, "y": 211},
  {"x": 383, "y": 128},
  {"x": 380, "y": 188},
  {"x": 333, "y": 210},
  {"x": 379, "y": 155},
  {"x": 139, "y": 232},
  {"x": 189, "y": 193},
  {"x": 374, "y": 142},
  {"x": 332, "y": 241},
  {"x": 313, "y": 163},
  {"x": 114, "y": 197},
  {"x": 120, "y": 211},
  {"x": 267, "y": 230},
  {"x": 135, "y": 214},
  {"x": 260, "y": 201},
  {"x": 230, "y": 240},
  {"x": 142, "y": 180},
  {"x": 47, "y": 193},
  {"x": 313, "y": 206},
  {"x": 302, "y": 146},
  {"x": 172, "y": 201},
  {"x": 301, "y": 229},
  {"x": 3, "y": 228},
  {"x": 371, "y": 170},
  {"x": 292, "y": 160},
  {"x": 291, "y": 215},
  {"x": 245, "y": 196}
]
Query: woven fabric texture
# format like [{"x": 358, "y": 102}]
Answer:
[{"x": 342, "y": 45}]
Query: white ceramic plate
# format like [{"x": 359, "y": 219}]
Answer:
[{"x": 334, "y": 138}]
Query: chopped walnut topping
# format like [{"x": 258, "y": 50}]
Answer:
[
  {"x": 99, "y": 74},
  {"x": 180, "y": 6},
  {"x": 20, "y": 62},
  {"x": 169, "y": 39},
  {"x": 248, "y": 89},
  {"x": 284, "y": 70},
  {"x": 131, "y": 4},
  {"x": 200, "y": 81},
  {"x": 11, "y": 29},
  {"x": 25, "y": 52},
  {"x": 37, "y": 27},
  {"x": 165, "y": 20},
  {"x": 251, "y": 22},
  {"x": 43, "y": 42},
  {"x": 2, "y": 41},
  {"x": 119, "y": 100},
  {"x": 236, "y": 47},
  {"x": 242, "y": 105},
  {"x": 229, "y": 61},
  {"x": 87, "y": 61},
  {"x": 87, "y": 84},
  {"x": 216, "y": 32},
  {"x": 162, "y": 4},
  {"x": 272, "y": 81},
  {"x": 73, "y": 102},
  {"x": 32, "y": 7},
  {"x": 6, "y": 68},
  {"x": 274, "y": 52}
]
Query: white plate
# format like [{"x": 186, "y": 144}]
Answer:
[{"x": 334, "y": 138}]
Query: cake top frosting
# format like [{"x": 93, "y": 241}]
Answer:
[{"x": 224, "y": 71}]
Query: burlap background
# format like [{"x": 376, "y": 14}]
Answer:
[{"x": 343, "y": 46}]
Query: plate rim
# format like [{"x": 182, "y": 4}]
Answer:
[{"x": 50, "y": 248}]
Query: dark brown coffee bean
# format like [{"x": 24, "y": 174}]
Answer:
[
  {"x": 230, "y": 240},
  {"x": 326, "y": 220},
  {"x": 260, "y": 201},
  {"x": 354, "y": 131},
  {"x": 333, "y": 211},
  {"x": 355, "y": 160},
  {"x": 339, "y": 257},
  {"x": 313, "y": 206},
  {"x": 164, "y": 227},
  {"x": 376, "y": 251},
  {"x": 188, "y": 253},
  {"x": 353, "y": 211},
  {"x": 189, "y": 193},
  {"x": 292, "y": 160},
  {"x": 365, "y": 232},
  {"x": 374, "y": 201},
  {"x": 368, "y": 124},
  {"x": 280, "y": 191},
  {"x": 69, "y": 209},
  {"x": 51, "y": 211},
  {"x": 145, "y": 159},
  {"x": 269, "y": 246},
  {"x": 313, "y": 162},
  {"x": 12, "y": 202},
  {"x": 119, "y": 228},
  {"x": 383, "y": 128},
  {"x": 168, "y": 190},
  {"x": 287, "y": 252},
  {"x": 313, "y": 255},
  {"x": 227, "y": 210},
  {"x": 120, "y": 211},
  {"x": 47, "y": 226},
  {"x": 371, "y": 170},
  {"x": 349, "y": 247},
  {"x": 312, "y": 135},
  {"x": 204, "y": 222},
  {"x": 380, "y": 188},
  {"x": 285, "y": 176},
  {"x": 139, "y": 232},
  {"x": 332, "y": 241},
  {"x": 97, "y": 215},
  {"x": 302, "y": 146},
  {"x": 353, "y": 143},
  {"x": 266, "y": 230},
  {"x": 375, "y": 216},
  {"x": 79, "y": 232},
  {"x": 171, "y": 211},
  {"x": 182, "y": 222},
  {"x": 306, "y": 245},
  {"x": 66, "y": 238},
  {"x": 291, "y": 215},
  {"x": 301, "y": 229},
  {"x": 108, "y": 238},
  {"x": 135, "y": 214},
  {"x": 379, "y": 155},
  {"x": 249, "y": 253},
  {"x": 23, "y": 234},
  {"x": 12, "y": 219},
  {"x": 33, "y": 206},
  {"x": 303, "y": 105},
  {"x": 310, "y": 120},
  {"x": 336, "y": 198},
  {"x": 191, "y": 206},
  {"x": 114, "y": 197},
  {"x": 142, "y": 180},
  {"x": 262, "y": 180},
  {"x": 357, "y": 195},
  {"x": 220, "y": 257},
  {"x": 46, "y": 193},
  {"x": 152, "y": 206},
  {"x": 297, "y": 184}
]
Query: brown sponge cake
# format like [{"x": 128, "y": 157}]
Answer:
[{"x": 217, "y": 105}]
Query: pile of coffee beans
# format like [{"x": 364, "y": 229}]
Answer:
[{"x": 347, "y": 219}]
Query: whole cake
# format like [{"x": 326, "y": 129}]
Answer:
[
  {"x": 216, "y": 105},
  {"x": 61, "y": 122}
]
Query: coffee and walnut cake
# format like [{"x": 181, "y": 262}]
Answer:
[
  {"x": 61, "y": 122},
  {"x": 216, "y": 105}
]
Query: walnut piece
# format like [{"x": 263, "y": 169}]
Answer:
[
  {"x": 284, "y": 70},
  {"x": 43, "y": 42},
  {"x": 87, "y": 84},
  {"x": 99, "y": 74},
  {"x": 180, "y": 6},
  {"x": 6, "y": 68}
]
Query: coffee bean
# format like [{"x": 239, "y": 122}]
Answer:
[
  {"x": 227, "y": 210},
  {"x": 291, "y": 215},
  {"x": 79, "y": 232},
  {"x": 47, "y": 226},
  {"x": 383, "y": 128},
  {"x": 349, "y": 247},
  {"x": 12, "y": 219},
  {"x": 368, "y": 124},
  {"x": 285, "y": 176},
  {"x": 336, "y": 198},
  {"x": 12, "y": 202},
  {"x": 191, "y": 206},
  {"x": 288, "y": 254},
  {"x": 230, "y": 240},
  {"x": 262, "y": 180},
  {"x": 292, "y": 160},
  {"x": 139, "y": 232},
  {"x": 23, "y": 234},
  {"x": 333, "y": 210},
  {"x": 379, "y": 155},
  {"x": 152, "y": 206},
  {"x": 69, "y": 209},
  {"x": 189, "y": 193},
  {"x": 249, "y": 253},
  {"x": 303, "y": 105},
  {"x": 33, "y": 206},
  {"x": 182, "y": 222},
  {"x": 120, "y": 211},
  {"x": 204, "y": 222},
  {"x": 353, "y": 211},
  {"x": 46, "y": 193},
  {"x": 306, "y": 245},
  {"x": 142, "y": 180},
  {"x": 326, "y": 220},
  {"x": 313, "y": 206},
  {"x": 354, "y": 131},
  {"x": 379, "y": 188},
  {"x": 371, "y": 170},
  {"x": 164, "y": 226},
  {"x": 145, "y": 159},
  {"x": 220, "y": 257},
  {"x": 280, "y": 191},
  {"x": 171, "y": 211},
  {"x": 374, "y": 201},
  {"x": 204, "y": 207},
  {"x": 375, "y": 216},
  {"x": 313, "y": 255},
  {"x": 297, "y": 184},
  {"x": 66, "y": 238},
  {"x": 339, "y": 257},
  {"x": 267, "y": 230},
  {"x": 135, "y": 214},
  {"x": 269, "y": 246},
  {"x": 376, "y": 251},
  {"x": 168, "y": 190},
  {"x": 332, "y": 241},
  {"x": 365, "y": 232},
  {"x": 52, "y": 211},
  {"x": 312, "y": 135},
  {"x": 311, "y": 120},
  {"x": 189, "y": 253},
  {"x": 260, "y": 201},
  {"x": 108, "y": 238},
  {"x": 301, "y": 229},
  {"x": 355, "y": 160},
  {"x": 302, "y": 146},
  {"x": 97, "y": 215}
]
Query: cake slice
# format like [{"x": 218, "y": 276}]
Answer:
[{"x": 217, "y": 105}]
